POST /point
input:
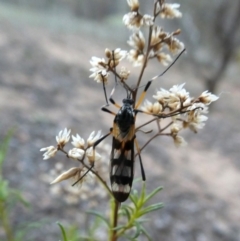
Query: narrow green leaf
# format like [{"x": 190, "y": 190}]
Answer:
[
  {"x": 118, "y": 227},
  {"x": 138, "y": 232},
  {"x": 151, "y": 208},
  {"x": 19, "y": 197},
  {"x": 143, "y": 194},
  {"x": 131, "y": 209},
  {"x": 134, "y": 198},
  {"x": 4, "y": 146},
  {"x": 128, "y": 237},
  {"x": 143, "y": 220},
  {"x": 126, "y": 211},
  {"x": 63, "y": 231},
  {"x": 100, "y": 216},
  {"x": 138, "y": 229},
  {"x": 153, "y": 193},
  {"x": 146, "y": 233}
]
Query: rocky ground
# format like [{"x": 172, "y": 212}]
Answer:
[{"x": 45, "y": 88}]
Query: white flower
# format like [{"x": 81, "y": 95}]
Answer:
[
  {"x": 135, "y": 57},
  {"x": 100, "y": 72},
  {"x": 50, "y": 152},
  {"x": 157, "y": 37},
  {"x": 137, "y": 41},
  {"x": 93, "y": 138},
  {"x": 179, "y": 141},
  {"x": 175, "y": 128},
  {"x": 72, "y": 172},
  {"x": 92, "y": 156},
  {"x": 124, "y": 73},
  {"x": 179, "y": 91},
  {"x": 148, "y": 20},
  {"x": 170, "y": 10},
  {"x": 163, "y": 58},
  {"x": 195, "y": 118},
  {"x": 76, "y": 153},
  {"x": 133, "y": 4},
  {"x": 63, "y": 137},
  {"x": 162, "y": 95},
  {"x": 197, "y": 123},
  {"x": 98, "y": 62},
  {"x": 133, "y": 20},
  {"x": 119, "y": 54},
  {"x": 151, "y": 108},
  {"x": 78, "y": 141},
  {"x": 100, "y": 76},
  {"x": 147, "y": 106},
  {"x": 198, "y": 108},
  {"x": 207, "y": 97},
  {"x": 174, "y": 45},
  {"x": 177, "y": 88}
]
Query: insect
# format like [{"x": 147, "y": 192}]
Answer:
[
  {"x": 123, "y": 142},
  {"x": 122, "y": 154},
  {"x": 124, "y": 139}
]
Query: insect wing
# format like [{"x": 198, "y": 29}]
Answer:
[{"x": 122, "y": 168}]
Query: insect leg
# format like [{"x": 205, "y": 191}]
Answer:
[
  {"x": 90, "y": 168},
  {"x": 140, "y": 159},
  {"x": 143, "y": 94},
  {"x": 108, "y": 111},
  {"x": 83, "y": 175}
]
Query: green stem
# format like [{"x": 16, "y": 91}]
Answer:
[
  {"x": 114, "y": 219},
  {"x": 5, "y": 222},
  {"x": 130, "y": 223}
]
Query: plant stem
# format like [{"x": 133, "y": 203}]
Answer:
[
  {"x": 5, "y": 222},
  {"x": 116, "y": 206},
  {"x": 94, "y": 172}
]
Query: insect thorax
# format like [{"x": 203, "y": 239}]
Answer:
[{"x": 125, "y": 116}]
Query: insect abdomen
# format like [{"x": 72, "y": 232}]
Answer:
[{"x": 122, "y": 169}]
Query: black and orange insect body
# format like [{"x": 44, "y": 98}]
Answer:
[
  {"x": 122, "y": 155},
  {"x": 124, "y": 139}
]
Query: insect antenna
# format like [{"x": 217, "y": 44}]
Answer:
[
  {"x": 83, "y": 176},
  {"x": 104, "y": 90},
  {"x": 157, "y": 76}
]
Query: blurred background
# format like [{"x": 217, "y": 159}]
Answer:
[{"x": 45, "y": 48}]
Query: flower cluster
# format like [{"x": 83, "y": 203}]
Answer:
[
  {"x": 141, "y": 51},
  {"x": 176, "y": 106},
  {"x": 185, "y": 111},
  {"x": 134, "y": 19},
  {"x": 80, "y": 151},
  {"x": 101, "y": 67}
]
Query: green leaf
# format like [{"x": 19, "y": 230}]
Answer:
[
  {"x": 146, "y": 233},
  {"x": 100, "y": 216},
  {"x": 151, "y": 208},
  {"x": 126, "y": 211},
  {"x": 4, "y": 190},
  {"x": 138, "y": 229},
  {"x": 143, "y": 220},
  {"x": 118, "y": 227},
  {"x": 63, "y": 231},
  {"x": 17, "y": 195},
  {"x": 153, "y": 193},
  {"x": 134, "y": 198},
  {"x": 143, "y": 194},
  {"x": 4, "y": 146}
]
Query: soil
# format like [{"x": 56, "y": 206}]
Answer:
[{"x": 45, "y": 88}]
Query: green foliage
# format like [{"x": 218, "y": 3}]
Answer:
[
  {"x": 72, "y": 233},
  {"x": 135, "y": 211},
  {"x": 9, "y": 198},
  {"x": 131, "y": 216}
]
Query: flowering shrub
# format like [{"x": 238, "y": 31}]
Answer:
[{"x": 175, "y": 105}]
